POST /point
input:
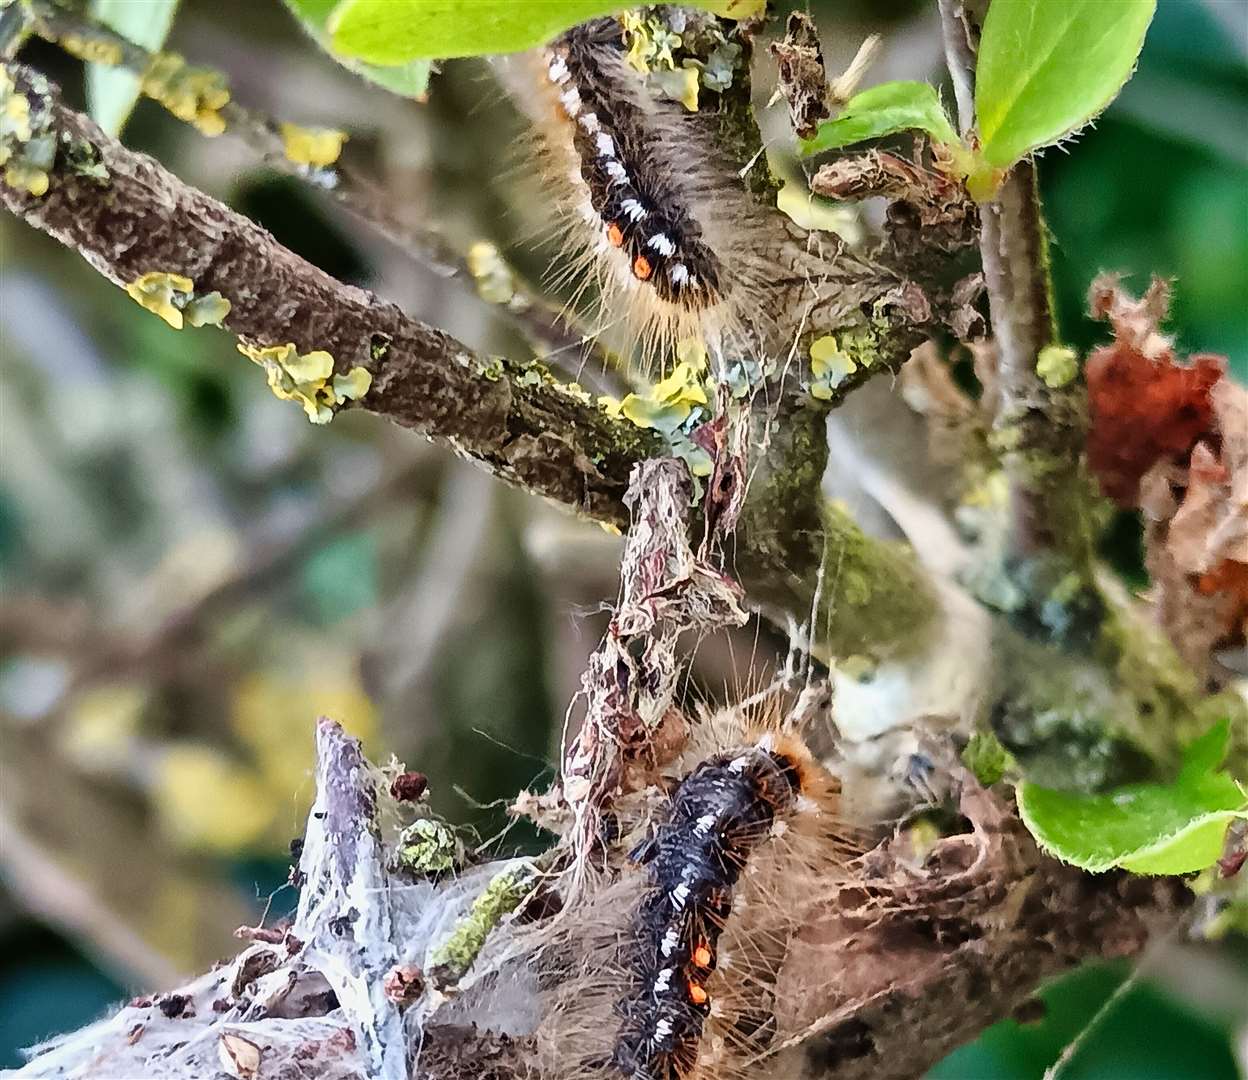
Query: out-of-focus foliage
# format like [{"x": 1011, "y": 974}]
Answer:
[
  {"x": 1144, "y": 1035},
  {"x": 112, "y": 92}
]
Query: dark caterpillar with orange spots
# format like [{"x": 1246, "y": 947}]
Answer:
[
  {"x": 720, "y": 813},
  {"x": 660, "y": 237}
]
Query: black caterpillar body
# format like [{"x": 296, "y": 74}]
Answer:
[
  {"x": 662, "y": 240},
  {"x": 719, "y": 814}
]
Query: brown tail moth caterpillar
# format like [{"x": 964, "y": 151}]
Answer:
[
  {"x": 653, "y": 212},
  {"x": 676, "y": 978}
]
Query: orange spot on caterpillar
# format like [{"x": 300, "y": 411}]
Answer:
[
  {"x": 642, "y": 268},
  {"x": 615, "y": 235},
  {"x": 702, "y": 955},
  {"x": 697, "y": 993}
]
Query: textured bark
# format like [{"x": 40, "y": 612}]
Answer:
[
  {"x": 1039, "y": 427},
  {"x": 509, "y": 417},
  {"x": 978, "y": 928}
]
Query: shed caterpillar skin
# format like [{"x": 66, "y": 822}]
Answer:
[
  {"x": 651, "y": 209},
  {"x": 674, "y": 977}
]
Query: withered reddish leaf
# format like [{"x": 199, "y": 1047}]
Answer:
[{"x": 1144, "y": 411}]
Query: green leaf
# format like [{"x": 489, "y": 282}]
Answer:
[
  {"x": 1047, "y": 67},
  {"x": 113, "y": 91},
  {"x": 410, "y": 79},
  {"x": 395, "y": 31},
  {"x": 1175, "y": 828},
  {"x": 884, "y": 110}
]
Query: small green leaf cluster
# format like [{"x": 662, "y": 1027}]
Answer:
[{"x": 1045, "y": 69}]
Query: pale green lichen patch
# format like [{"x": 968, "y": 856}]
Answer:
[
  {"x": 315, "y": 147},
  {"x": 453, "y": 958},
  {"x": 681, "y": 84},
  {"x": 309, "y": 379},
  {"x": 674, "y": 406},
  {"x": 208, "y": 310},
  {"x": 1057, "y": 365},
  {"x": 428, "y": 847},
  {"x": 91, "y": 49},
  {"x": 171, "y": 296},
  {"x": 27, "y": 150},
  {"x": 495, "y": 281},
  {"x": 195, "y": 95},
  {"x": 680, "y": 56},
  {"x": 353, "y": 385}
]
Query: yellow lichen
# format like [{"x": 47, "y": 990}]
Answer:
[
  {"x": 163, "y": 294},
  {"x": 353, "y": 385},
  {"x": 318, "y": 147},
  {"x": 14, "y": 110},
  {"x": 93, "y": 50},
  {"x": 26, "y": 160},
  {"x": 195, "y": 95},
  {"x": 27, "y": 177},
  {"x": 308, "y": 379},
  {"x": 493, "y": 276},
  {"x": 1057, "y": 365},
  {"x": 680, "y": 84},
  {"x": 208, "y": 310},
  {"x": 829, "y": 367},
  {"x": 668, "y": 403},
  {"x": 574, "y": 390}
]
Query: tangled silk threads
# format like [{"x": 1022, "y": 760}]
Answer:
[
  {"x": 654, "y": 230},
  {"x": 719, "y": 815}
]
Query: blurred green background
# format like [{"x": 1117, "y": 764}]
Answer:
[{"x": 191, "y": 572}]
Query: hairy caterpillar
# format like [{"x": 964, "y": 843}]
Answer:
[
  {"x": 652, "y": 210},
  {"x": 674, "y": 977}
]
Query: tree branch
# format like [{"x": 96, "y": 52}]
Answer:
[
  {"x": 128, "y": 216},
  {"x": 1038, "y": 427},
  {"x": 358, "y": 194}
]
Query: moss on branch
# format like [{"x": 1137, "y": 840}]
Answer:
[{"x": 808, "y": 560}]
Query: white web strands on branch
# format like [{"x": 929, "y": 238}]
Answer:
[{"x": 309, "y": 1002}]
